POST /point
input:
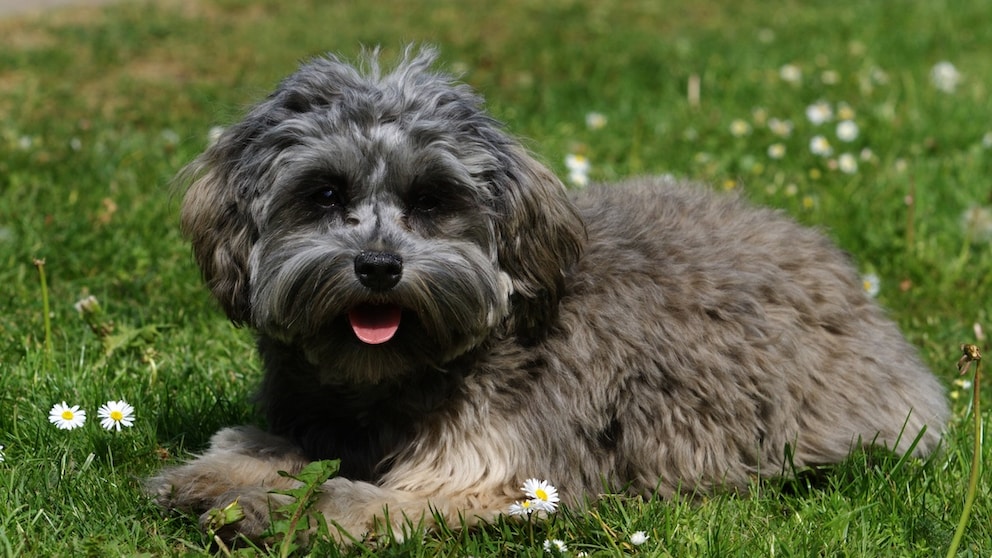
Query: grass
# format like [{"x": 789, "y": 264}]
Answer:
[{"x": 103, "y": 105}]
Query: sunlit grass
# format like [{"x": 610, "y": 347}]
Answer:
[{"x": 102, "y": 106}]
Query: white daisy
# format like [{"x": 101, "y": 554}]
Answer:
[
  {"x": 543, "y": 495},
  {"x": 820, "y": 146},
  {"x": 776, "y": 150},
  {"x": 790, "y": 73},
  {"x": 115, "y": 414},
  {"x": 595, "y": 120},
  {"x": 65, "y": 417},
  {"x": 819, "y": 113},
  {"x": 871, "y": 284},
  {"x": 638, "y": 538},
  {"x": 847, "y": 163},
  {"x": 577, "y": 163},
  {"x": 579, "y": 179},
  {"x": 977, "y": 223},
  {"x": 829, "y": 77},
  {"x": 847, "y": 130},
  {"x": 578, "y": 169},
  {"x": 555, "y": 544},
  {"x": 739, "y": 128},
  {"x": 781, "y": 128},
  {"x": 1, "y": 453},
  {"x": 945, "y": 76},
  {"x": 845, "y": 111},
  {"x": 521, "y": 508}
]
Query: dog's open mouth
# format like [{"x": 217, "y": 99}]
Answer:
[{"x": 375, "y": 323}]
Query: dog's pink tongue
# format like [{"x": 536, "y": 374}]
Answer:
[{"x": 375, "y": 324}]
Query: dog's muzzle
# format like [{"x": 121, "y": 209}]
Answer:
[{"x": 375, "y": 324}]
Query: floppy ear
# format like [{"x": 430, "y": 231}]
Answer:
[
  {"x": 540, "y": 238},
  {"x": 221, "y": 233},
  {"x": 226, "y": 179}
]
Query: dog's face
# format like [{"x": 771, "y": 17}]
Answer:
[{"x": 379, "y": 223}]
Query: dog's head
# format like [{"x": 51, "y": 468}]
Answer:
[{"x": 380, "y": 221}]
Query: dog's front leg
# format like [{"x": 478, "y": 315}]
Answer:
[
  {"x": 357, "y": 509},
  {"x": 242, "y": 465}
]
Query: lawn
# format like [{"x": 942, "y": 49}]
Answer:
[{"x": 870, "y": 120}]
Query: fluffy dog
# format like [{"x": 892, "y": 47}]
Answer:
[{"x": 434, "y": 309}]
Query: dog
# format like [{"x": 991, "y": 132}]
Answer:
[{"x": 437, "y": 311}]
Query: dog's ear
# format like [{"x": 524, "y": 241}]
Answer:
[
  {"x": 221, "y": 232},
  {"x": 540, "y": 238},
  {"x": 228, "y": 176}
]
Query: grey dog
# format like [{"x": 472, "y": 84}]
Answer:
[{"x": 435, "y": 310}]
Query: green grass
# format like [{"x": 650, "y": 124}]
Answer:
[{"x": 102, "y": 106}]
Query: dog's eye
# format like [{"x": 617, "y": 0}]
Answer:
[
  {"x": 326, "y": 198},
  {"x": 425, "y": 203}
]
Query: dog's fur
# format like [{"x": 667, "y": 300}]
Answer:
[{"x": 649, "y": 336}]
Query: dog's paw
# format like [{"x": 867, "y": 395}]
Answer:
[
  {"x": 246, "y": 513},
  {"x": 169, "y": 491}
]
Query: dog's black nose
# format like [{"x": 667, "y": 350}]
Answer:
[{"x": 379, "y": 271}]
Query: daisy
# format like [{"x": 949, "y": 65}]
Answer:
[
  {"x": 790, "y": 73},
  {"x": 579, "y": 179},
  {"x": 847, "y": 163},
  {"x": 739, "y": 128},
  {"x": 847, "y": 130},
  {"x": 977, "y": 223},
  {"x": 521, "y": 508},
  {"x": 945, "y": 76},
  {"x": 820, "y": 146},
  {"x": 819, "y": 112},
  {"x": 781, "y": 128},
  {"x": 578, "y": 169},
  {"x": 639, "y": 538},
  {"x": 987, "y": 140},
  {"x": 845, "y": 111},
  {"x": 871, "y": 284},
  {"x": 115, "y": 414},
  {"x": 1, "y": 453},
  {"x": 65, "y": 417},
  {"x": 776, "y": 150},
  {"x": 543, "y": 496},
  {"x": 577, "y": 163},
  {"x": 829, "y": 77},
  {"x": 556, "y": 544},
  {"x": 595, "y": 120}
]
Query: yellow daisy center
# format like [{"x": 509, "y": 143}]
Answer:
[
  {"x": 67, "y": 415},
  {"x": 541, "y": 494},
  {"x": 116, "y": 415}
]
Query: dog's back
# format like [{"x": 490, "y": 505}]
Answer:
[{"x": 729, "y": 337}]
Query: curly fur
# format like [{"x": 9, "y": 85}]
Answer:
[{"x": 649, "y": 336}]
